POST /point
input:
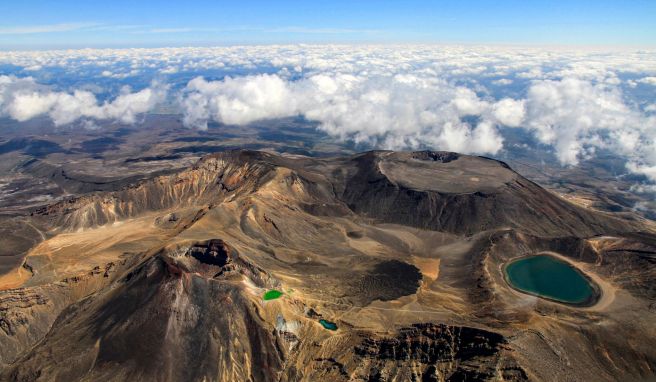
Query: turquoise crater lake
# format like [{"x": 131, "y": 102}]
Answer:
[
  {"x": 328, "y": 325},
  {"x": 551, "y": 278}
]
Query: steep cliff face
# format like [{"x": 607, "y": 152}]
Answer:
[
  {"x": 208, "y": 182},
  {"x": 438, "y": 352},
  {"x": 420, "y": 352}
]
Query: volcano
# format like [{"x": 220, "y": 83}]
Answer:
[{"x": 403, "y": 253}]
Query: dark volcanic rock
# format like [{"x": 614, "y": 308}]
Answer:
[
  {"x": 387, "y": 281},
  {"x": 217, "y": 259},
  {"x": 31, "y": 146},
  {"x": 439, "y": 156},
  {"x": 431, "y": 200},
  {"x": 445, "y": 352},
  {"x": 433, "y": 343},
  {"x": 214, "y": 252}
]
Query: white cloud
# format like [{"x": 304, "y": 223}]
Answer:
[
  {"x": 237, "y": 101},
  {"x": 444, "y": 61},
  {"x": 510, "y": 112},
  {"x": 406, "y": 96},
  {"x": 23, "y": 99},
  {"x": 415, "y": 109},
  {"x": 571, "y": 113},
  {"x": 577, "y": 117},
  {"x": 648, "y": 80},
  {"x": 503, "y": 81},
  {"x": 647, "y": 170},
  {"x": 389, "y": 111}
]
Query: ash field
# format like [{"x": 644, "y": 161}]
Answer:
[{"x": 281, "y": 266}]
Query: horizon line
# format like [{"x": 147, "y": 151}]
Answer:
[{"x": 7, "y": 49}]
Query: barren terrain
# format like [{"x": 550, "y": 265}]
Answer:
[{"x": 162, "y": 277}]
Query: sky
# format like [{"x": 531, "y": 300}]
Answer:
[{"x": 46, "y": 24}]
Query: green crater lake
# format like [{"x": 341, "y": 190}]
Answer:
[
  {"x": 272, "y": 294},
  {"x": 328, "y": 325},
  {"x": 549, "y": 277}
]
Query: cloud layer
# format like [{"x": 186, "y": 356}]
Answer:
[
  {"x": 443, "y": 97},
  {"x": 396, "y": 112},
  {"x": 23, "y": 99},
  {"x": 578, "y": 116}
]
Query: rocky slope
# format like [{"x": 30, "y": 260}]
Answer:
[
  {"x": 390, "y": 267},
  {"x": 437, "y": 191},
  {"x": 476, "y": 195}
]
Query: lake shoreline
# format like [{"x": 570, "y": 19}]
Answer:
[{"x": 594, "y": 299}]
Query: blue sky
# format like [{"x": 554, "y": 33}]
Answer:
[{"x": 31, "y": 24}]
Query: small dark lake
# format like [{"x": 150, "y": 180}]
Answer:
[{"x": 549, "y": 277}]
